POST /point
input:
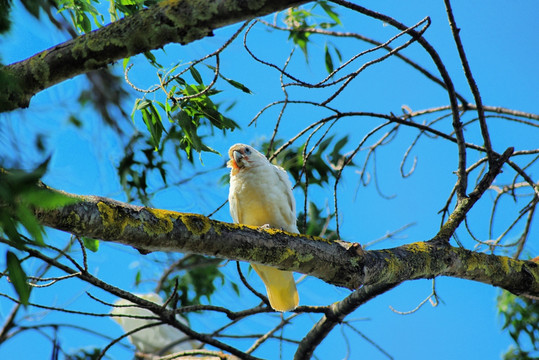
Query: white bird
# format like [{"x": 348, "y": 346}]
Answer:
[
  {"x": 261, "y": 194},
  {"x": 154, "y": 339}
]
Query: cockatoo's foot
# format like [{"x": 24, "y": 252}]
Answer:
[{"x": 268, "y": 226}]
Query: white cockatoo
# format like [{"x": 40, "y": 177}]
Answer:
[
  {"x": 155, "y": 339},
  {"x": 261, "y": 194}
]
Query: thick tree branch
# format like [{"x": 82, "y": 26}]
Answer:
[
  {"x": 336, "y": 262},
  {"x": 179, "y": 21}
]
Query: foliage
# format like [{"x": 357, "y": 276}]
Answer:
[
  {"x": 316, "y": 223},
  {"x": 191, "y": 117},
  {"x": 5, "y": 22},
  {"x": 85, "y": 354},
  {"x": 86, "y": 15},
  {"x": 316, "y": 166},
  {"x": 19, "y": 195},
  {"x": 301, "y": 20},
  {"x": 192, "y": 278},
  {"x": 521, "y": 320}
]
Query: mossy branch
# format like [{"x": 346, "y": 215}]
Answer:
[
  {"x": 336, "y": 262},
  {"x": 170, "y": 21}
]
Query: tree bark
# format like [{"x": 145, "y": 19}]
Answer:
[
  {"x": 336, "y": 262},
  {"x": 179, "y": 21}
]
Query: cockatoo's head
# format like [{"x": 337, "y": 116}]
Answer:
[{"x": 244, "y": 157}]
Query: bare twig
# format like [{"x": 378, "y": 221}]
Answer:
[{"x": 471, "y": 82}]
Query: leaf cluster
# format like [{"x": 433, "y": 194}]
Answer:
[
  {"x": 300, "y": 20},
  {"x": 181, "y": 123},
  {"x": 521, "y": 318},
  {"x": 194, "y": 280},
  {"x": 318, "y": 165},
  {"x": 84, "y": 14},
  {"x": 316, "y": 223},
  {"x": 19, "y": 195},
  {"x": 32, "y": 6}
]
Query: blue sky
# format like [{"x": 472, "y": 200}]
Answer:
[{"x": 500, "y": 42}]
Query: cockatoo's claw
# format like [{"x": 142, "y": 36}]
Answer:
[{"x": 265, "y": 227}]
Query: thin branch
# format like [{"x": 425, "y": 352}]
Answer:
[
  {"x": 270, "y": 333},
  {"x": 471, "y": 82},
  {"x": 457, "y": 124},
  {"x": 339, "y": 311},
  {"x": 429, "y": 298},
  {"x": 413, "y": 64},
  {"x": 463, "y": 206}
]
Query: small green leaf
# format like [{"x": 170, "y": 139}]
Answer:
[
  {"x": 181, "y": 81},
  {"x": 138, "y": 278},
  {"x": 142, "y": 104},
  {"x": 18, "y": 278},
  {"x": 91, "y": 244},
  {"x": 152, "y": 119},
  {"x": 47, "y": 199},
  {"x": 329, "y": 10},
  {"x": 152, "y": 59},
  {"x": 329, "y": 60},
  {"x": 238, "y": 85},
  {"x": 236, "y": 288},
  {"x": 338, "y": 54},
  {"x": 196, "y": 75},
  {"x": 30, "y": 223}
]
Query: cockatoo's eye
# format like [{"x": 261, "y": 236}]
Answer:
[{"x": 247, "y": 151}]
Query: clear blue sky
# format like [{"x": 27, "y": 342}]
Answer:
[{"x": 501, "y": 43}]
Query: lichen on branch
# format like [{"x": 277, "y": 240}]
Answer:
[
  {"x": 171, "y": 21},
  {"x": 336, "y": 262}
]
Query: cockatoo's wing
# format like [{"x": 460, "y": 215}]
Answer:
[
  {"x": 289, "y": 210},
  {"x": 234, "y": 206}
]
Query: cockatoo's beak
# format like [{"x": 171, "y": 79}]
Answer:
[{"x": 238, "y": 158}]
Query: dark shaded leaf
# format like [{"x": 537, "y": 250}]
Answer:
[
  {"x": 328, "y": 60},
  {"x": 196, "y": 75},
  {"x": 18, "y": 278}
]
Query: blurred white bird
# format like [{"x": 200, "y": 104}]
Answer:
[
  {"x": 154, "y": 339},
  {"x": 261, "y": 194}
]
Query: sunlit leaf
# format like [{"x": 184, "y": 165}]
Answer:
[
  {"x": 239, "y": 85},
  {"x": 91, "y": 244},
  {"x": 329, "y": 10}
]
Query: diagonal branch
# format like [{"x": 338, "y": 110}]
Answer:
[
  {"x": 335, "y": 262},
  {"x": 175, "y": 21},
  {"x": 166, "y": 315},
  {"x": 464, "y": 206},
  {"x": 338, "y": 312}
]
